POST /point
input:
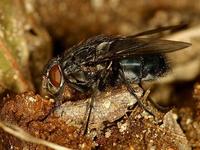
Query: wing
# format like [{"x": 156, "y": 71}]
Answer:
[
  {"x": 160, "y": 29},
  {"x": 104, "y": 48},
  {"x": 127, "y": 47}
]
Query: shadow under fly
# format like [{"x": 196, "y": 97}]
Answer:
[{"x": 103, "y": 61}]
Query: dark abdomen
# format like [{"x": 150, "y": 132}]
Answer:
[{"x": 147, "y": 67}]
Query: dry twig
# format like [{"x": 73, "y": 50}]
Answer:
[{"x": 21, "y": 134}]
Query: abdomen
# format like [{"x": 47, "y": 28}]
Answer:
[{"x": 147, "y": 67}]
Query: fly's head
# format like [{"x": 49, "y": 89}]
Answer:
[{"x": 53, "y": 79}]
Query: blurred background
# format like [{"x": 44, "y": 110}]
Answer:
[{"x": 34, "y": 31}]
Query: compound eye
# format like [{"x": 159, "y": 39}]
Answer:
[{"x": 55, "y": 75}]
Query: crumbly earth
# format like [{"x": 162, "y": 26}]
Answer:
[
  {"x": 131, "y": 128},
  {"x": 31, "y": 112}
]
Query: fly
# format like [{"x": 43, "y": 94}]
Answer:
[{"x": 103, "y": 61}]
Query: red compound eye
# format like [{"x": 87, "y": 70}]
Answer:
[{"x": 55, "y": 75}]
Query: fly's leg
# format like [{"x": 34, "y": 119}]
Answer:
[
  {"x": 102, "y": 79},
  {"x": 157, "y": 106},
  {"x": 89, "y": 109},
  {"x": 58, "y": 101},
  {"x": 59, "y": 97},
  {"x": 132, "y": 91}
]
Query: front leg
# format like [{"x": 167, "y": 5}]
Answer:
[
  {"x": 95, "y": 89},
  {"x": 90, "y": 107}
]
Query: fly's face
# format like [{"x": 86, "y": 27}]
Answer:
[{"x": 53, "y": 79}]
